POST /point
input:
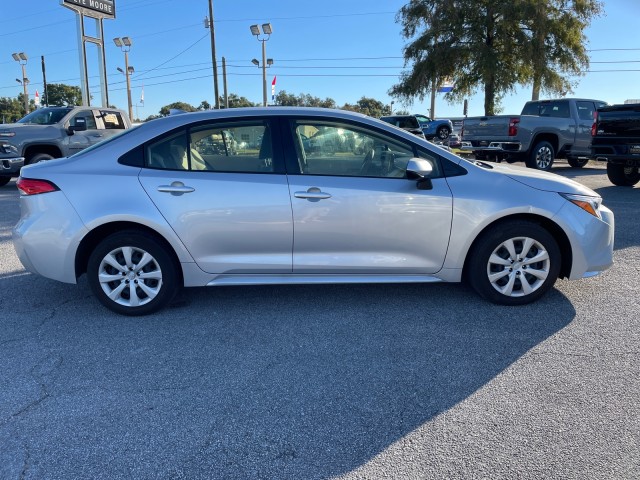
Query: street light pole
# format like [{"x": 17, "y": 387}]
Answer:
[
  {"x": 22, "y": 58},
  {"x": 124, "y": 44},
  {"x": 127, "y": 74},
  {"x": 267, "y": 30},
  {"x": 264, "y": 74}
]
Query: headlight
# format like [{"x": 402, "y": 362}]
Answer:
[
  {"x": 588, "y": 204},
  {"x": 7, "y": 133}
]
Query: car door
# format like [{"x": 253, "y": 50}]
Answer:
[
  {"x": 110, "y": 123},
  {"x": 354, "y": 210},
  {"x": 82, "y": 139},
  {"x": 229, "y": 204}
]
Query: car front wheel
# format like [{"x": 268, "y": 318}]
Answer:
[
  {"x": 131, "y": 273},
  {"x": 514, "y": 263}
]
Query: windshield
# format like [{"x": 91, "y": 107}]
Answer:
[
  {"x": 423, "y": 119},
  {"x": 45, "y": 116}
]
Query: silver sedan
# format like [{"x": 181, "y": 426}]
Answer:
[{"x": 294, "y": 195}]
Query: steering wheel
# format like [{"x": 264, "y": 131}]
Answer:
[{"x": 367, "y": 162}]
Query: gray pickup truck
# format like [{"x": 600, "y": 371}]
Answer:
[
  {"x": 54, "y": 132},
  {"x": 544, "y": 131}
]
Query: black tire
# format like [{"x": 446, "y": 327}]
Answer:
[
  {"x": 39, "y": 157},
  {"x": 155, "y": 282},
  {"x": 577, "y": 162},
  {"x": 443, "y": 133},
  {"x": 542, "y": 156},
  {"x": 4, "y": 181},
  {"x": 498, "y": 277},
  {"x": 622, "y": 175}
]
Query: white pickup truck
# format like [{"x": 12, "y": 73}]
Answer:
[
  {"x": 55, "y": 132},
  {"x": 544, "y": 131}
]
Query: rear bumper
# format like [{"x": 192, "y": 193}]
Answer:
[
  {"x": 11, "y": 166},
  {"x": 39, "y": 223},
  {"x": 492, "y": 147}
]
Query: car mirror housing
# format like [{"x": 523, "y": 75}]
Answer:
[{"x": 419, "y": 169}]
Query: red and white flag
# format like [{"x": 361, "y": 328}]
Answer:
[
  {"x": 273, "y": 90},
  {"x": 36, "y": 99}
]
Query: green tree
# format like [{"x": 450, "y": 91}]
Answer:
[
  {"x": 557, "y": 42},
  {"x": 164, "y": 111},
  {"x": 236, "y": 101},
  {"x": 490, "y": 44},
  {"x": 61, "y": 94},
  {"x": 204, "y": 105},
  {"x": 11, "y": 109},
  {"x": 368, "y": 106},
  {"x": 285, "y": 99}
]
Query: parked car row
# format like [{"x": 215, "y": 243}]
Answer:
[{"x": 438, "y": 130}]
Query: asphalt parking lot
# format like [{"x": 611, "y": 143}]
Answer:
[{"x": 306, "y": 382}]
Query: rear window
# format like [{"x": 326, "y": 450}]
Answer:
[{"x": 547, "y": 109}]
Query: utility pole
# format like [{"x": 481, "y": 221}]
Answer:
[
  {"x": 213, "y": 55},
  {"x": 45, "y": 95},
  {"x": 224, "y": 82}
]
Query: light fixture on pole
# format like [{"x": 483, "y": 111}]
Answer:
[
  {"x": 22, "y": 58},
  {"x": 124, "y": 43},
  {"x": 266, "y": 30}
]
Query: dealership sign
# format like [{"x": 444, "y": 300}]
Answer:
[{"x": 92, "y": 8}]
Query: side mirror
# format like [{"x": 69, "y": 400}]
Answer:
[
  {"x": 80, "y": 126},
  {"x": 419, "y": 169}
]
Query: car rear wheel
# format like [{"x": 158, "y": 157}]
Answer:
[
  {"x": 514, "y": 263},
  {"x": 443, "y": 133},
  {"x": 132, "y": 274},
  {"x": 622, "y": 175},
  {"x": 542, "y": 156}
]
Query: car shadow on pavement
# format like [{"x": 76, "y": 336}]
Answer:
[{"x": 258, "y": 382}]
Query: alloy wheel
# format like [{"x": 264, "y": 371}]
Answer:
[
  {"x": 518, "y": 266},
  {"x": 130, "y": 276}
]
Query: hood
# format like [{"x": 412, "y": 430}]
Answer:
[{"x": 540, "y": 180}]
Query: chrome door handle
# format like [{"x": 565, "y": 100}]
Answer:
[
  {"x": 176, "y": 188},
  {"x": 313, "y": 193}
]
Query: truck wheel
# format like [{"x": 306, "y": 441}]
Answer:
[
  {"x": 514, "y": 263},
  {"x": 541, "y": 156},
  {"x": 442, "y": 133},
  {"x": 39, "y": 157},
  {"x": 577, "y": 162},
  {"x": 4, "y": 181},
  {"x": 622, "y": 175}
]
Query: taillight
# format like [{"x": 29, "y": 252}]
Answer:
[
  {"x": 513, "y": 126},
  {"x": 595, "y": 124},
  {"x": 30, "y": 186}
]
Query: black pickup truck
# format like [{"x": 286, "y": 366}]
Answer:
[{"x": 615, "y": 139}]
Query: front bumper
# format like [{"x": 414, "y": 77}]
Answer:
[{"x": 591, "y": 239}]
